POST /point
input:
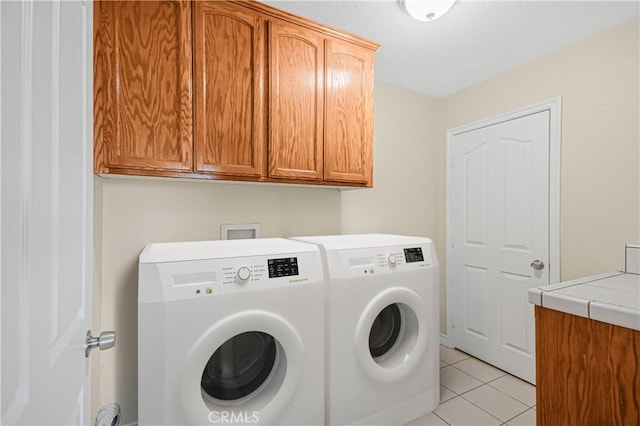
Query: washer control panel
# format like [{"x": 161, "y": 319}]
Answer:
[
  {"x": 243, "y": 273},
  {"x": 283, "y": 267},
  {"x": 413, "y": 254},
  {"x": 255, "y": 272},
  {"x": 210, "y": 277},
  {"x": 392, "y": 259}
]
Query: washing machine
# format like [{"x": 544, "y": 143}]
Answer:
[
  {"x": 231, "y": 332},
  {"x": 382, "y": 341}
]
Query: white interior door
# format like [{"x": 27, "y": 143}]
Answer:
[
  {"x": 46, "y": 210},
  {"x": 499, "y": 225}
]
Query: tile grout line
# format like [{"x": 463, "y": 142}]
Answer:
[
  {"x": 448, "y": 424},
  {"x": 479, "y": 379},
  {"x": 448, "y": 388},
  {"x": 527, "y": 406},
  {"x": 509, "y": 395},
  {"x": 480, "y": 408}
]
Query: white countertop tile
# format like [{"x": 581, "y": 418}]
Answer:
[
  {"x": 594, "y": 292},
  {"x": 632, "y": 259},
  {"x": 566, "y": 303},
  {"x": 612, "y": 298},
  {"x": 616, "y": 315},
  {"x": 535, "y": 296},
  {"x": 623, "y": 282}
]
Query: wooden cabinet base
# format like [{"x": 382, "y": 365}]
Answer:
[
  {"x": 162, "y": 174},
  {"x": 587, "y": 372}
]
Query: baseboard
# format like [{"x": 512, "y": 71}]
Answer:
[{"x": 444, "y": 341}]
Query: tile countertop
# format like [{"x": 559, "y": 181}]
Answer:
[{"x": 613, "y": 298}]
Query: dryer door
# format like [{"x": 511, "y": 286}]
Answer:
[
  {"x": 244, "y": 369},
  {"x": 392, "y": 334}
]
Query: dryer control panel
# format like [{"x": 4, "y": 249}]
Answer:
[{"x": 348, "y": 263}]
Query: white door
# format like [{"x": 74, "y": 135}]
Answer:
[
  {"x": 46, "y": 210},
  {"x": 499, "y": 212}
]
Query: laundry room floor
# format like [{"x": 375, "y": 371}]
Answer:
[{"x": 475, "y": 393}]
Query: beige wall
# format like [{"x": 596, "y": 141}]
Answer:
[
  {"x": 404, "y": 197},
  {"x": 598, "y": 81},
  {"x": 137, "y": 212},
  {"x": 600, "y": 183},
  {"x": 96, "y": 357}
]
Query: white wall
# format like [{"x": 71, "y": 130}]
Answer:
[{"x": 403, "y": 199}]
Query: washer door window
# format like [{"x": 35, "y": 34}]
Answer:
[
  {"x": 385, "y": 331},
  {"x": 239, "y": 366}
]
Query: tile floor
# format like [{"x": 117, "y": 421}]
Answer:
[{"x": 473, "y": 393}]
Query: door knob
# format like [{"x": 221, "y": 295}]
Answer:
[
  {"x": 107, "y": 340},
  {"x": 538, "y": 265}
]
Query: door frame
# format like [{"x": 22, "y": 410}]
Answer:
[{"x": 554, "y": 106}]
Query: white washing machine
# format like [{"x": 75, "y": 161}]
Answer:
[
  {"x": 382, "y": 362},
  {"x": 231, "y": 332}
]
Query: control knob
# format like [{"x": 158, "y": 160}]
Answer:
[
  {"x": 391, "y": 259},
  {"x": 243, "y": 273}
]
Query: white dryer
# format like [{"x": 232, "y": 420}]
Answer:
[
  {"x": 231, "y": 332},
  {"x": 382, "y": 363}
]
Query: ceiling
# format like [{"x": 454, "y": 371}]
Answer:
[{"x": 473, "y": 42}]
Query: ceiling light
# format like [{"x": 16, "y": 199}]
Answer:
[{"x": 427, "y": 10}]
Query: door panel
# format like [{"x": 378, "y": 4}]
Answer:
[
  {"x": 476, "y": 282},
  {"x": 146, "y": 49},
  {"x": 46, "y": 221},
  {"x": 514, "y": 312},
  {"x": 296, "y": 101},
  {"x": 500, "y": 224},
  {"x": 229, "y": 57},
  {"x": 476, "y": 170},
  {"x": 348, "y": 143},
  {"x": 517, "y": 202}
]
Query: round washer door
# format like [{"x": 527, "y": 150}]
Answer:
[
  {"x": 246, "y": 367},
  {"x": 392, "y": 334},
  {"x": 240, "y": 366}
]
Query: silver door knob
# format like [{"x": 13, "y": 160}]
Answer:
[
  {"x": 538, "y": 265},
  {"x": 107, "y": 340}
]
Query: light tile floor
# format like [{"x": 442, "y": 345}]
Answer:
[{"x": 473, "y": 393}]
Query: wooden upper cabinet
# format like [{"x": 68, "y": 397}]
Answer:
[
  {"x": 348, "y": 137},
  {"x": 229, "y": 104},
  {"x": 143, "y": 85},
  {"x": 296, "y": 70},
  {"x": 230, "y": 90}
]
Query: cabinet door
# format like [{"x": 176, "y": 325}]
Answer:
[
  {"x": 143, "y": 85},
  {"x": 296, "y": 101},
  {"x": 348, "y": 136},
  {"x": 229, "y": 56}
]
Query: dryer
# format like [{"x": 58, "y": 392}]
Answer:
[
  {"x": 382, "y": 341},
  {"x": 231, "y": 332}
]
